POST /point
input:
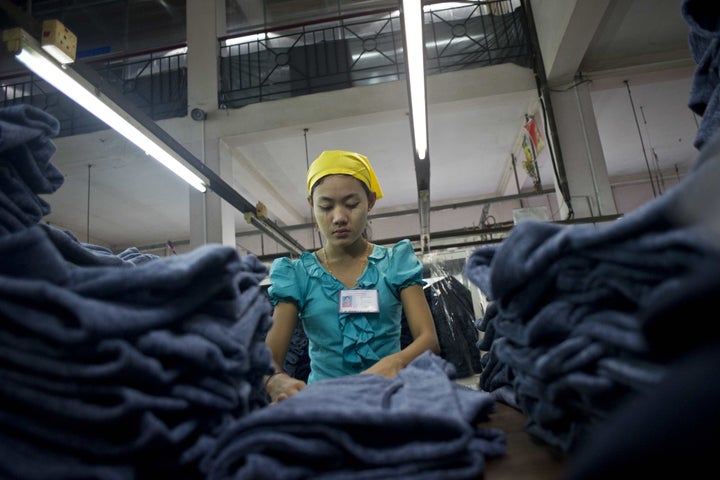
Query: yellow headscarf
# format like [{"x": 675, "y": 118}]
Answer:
[{"x": 332, "y": 162}]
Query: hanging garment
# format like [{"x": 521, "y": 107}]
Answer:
[{"x": 454, "y": 317}]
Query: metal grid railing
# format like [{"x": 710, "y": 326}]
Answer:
[
  {"x": 299, "y": 60},
  {"x": 305, "y": 60},
  {"x": 365, "y": 50},
  {"x": 154, "y": 82},
  {"x": 474, "y": 36}
]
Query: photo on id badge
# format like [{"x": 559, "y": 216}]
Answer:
[{"x": 358, "y": 301}]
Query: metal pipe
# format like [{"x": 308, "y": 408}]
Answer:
[
  {"x": 550, "y": 124},
  {"x": 215, "y": 182}
]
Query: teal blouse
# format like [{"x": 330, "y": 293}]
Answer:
[{"x": 347, "y": 343}]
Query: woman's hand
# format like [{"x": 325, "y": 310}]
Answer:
[
  {"x": 282, "y": 386},
  {"x": 388, "y": 367}
]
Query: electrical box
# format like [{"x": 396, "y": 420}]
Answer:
[
  {"x": 58, "y": 41},
  {"x": 14, "y": 38}
]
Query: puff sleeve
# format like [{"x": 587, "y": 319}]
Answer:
[
  {"x": 405, "y": 268},
  {"x": 283, "y": 282}
]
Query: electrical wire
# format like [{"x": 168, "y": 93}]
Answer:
[
  {"x": 307, "y": 167},
  {"x": 87, "y": 220},
  {"x": 589, "y": 156},
  {"x": 642, "y": 143},
  {"x": 658, "y": 173}
]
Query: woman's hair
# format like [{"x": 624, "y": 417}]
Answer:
[{"x": 364, "y": 187}]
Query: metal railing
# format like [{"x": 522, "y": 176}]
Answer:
[
  {"x": 155, "y": 82},
  {"x": 363, "y": 50},
  {"x": 474, "y": 36},
  {"x": 302, "y": 60},
  {"x": 346, "y": 52}
]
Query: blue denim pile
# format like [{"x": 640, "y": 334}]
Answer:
[
  {"x": 584, "y": 319},
  {"x": 114, "y": 366}
]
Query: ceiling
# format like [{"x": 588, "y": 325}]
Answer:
[{"x": 124, "y": 199}]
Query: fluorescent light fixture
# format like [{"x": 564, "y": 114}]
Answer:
[
  {"x": 81, "y": 91},
  {"x": 58, "y": 54},
  {"x": 448, "y": 5},
  {"x": 413, "y": 21},
  {"x": 256, "y": 37}
]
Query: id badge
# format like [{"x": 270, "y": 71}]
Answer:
[{"x": 358, "y": 301}]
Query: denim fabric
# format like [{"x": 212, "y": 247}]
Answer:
[
  {"x": 116, "y": 369},
  {"x": 669, "y": 431},
  {"x": 420, "y": 424},
  {"x": 704, "y": 41},
  {"x": 688, "y": 301},
  {"x": 583, "y": 317},
  {"x": 25, "y": 169},
  {"x": 552, "y": 323},
  {"x": 638, "y": 374}
]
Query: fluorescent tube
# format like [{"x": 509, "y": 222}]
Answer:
[
  {"x": 415, "y": 59},
  {"x": 79, "y": 90}
]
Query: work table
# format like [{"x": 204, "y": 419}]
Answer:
[{"x": 525, "y": 458}]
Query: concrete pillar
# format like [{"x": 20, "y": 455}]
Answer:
[
  {"x": 582, "y": 154},
  {"x": 211, "y": 218}
]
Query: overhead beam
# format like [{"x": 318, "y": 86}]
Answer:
[{"x": 216, "y": 183}]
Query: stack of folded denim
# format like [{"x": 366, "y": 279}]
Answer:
[
  {"x": 25, "y": 169},
  {"x": 586, "y": 318},
  {"x": 575, "y": 326},
  {"x": 114, "y": 366},
  {"x": 419, "y": 425}
]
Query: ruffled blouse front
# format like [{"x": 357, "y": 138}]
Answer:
[{"x": 347, "y": 343}]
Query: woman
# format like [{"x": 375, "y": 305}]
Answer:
[{"x": 350, "y": 294}]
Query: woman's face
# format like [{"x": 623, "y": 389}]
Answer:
[{"x": 341, "y": 206}]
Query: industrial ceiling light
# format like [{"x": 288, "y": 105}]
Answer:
[
  {"x": 412, "y": 22},
  {"x": 412, "y": 13},
  {"x": 43, "y": 61}
]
